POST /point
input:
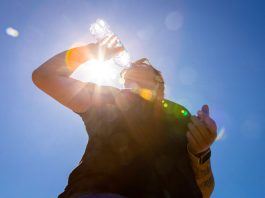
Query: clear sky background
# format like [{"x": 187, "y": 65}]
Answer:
[{"x": 208, "y": 51}]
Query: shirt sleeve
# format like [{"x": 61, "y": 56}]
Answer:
[{"x": 203, "y": 175}]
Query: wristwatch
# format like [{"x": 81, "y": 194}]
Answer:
[{"x": 204, "y": 156}]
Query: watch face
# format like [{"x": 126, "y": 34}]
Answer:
[{"x": 205, "y": 157}]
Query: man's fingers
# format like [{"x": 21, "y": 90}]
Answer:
[
  {"x": 106, "y": 40},
  {"x": 200, "y": 114},
  {"x": 205, "y": 109},
  {"x": 204, "y": 112},
  {"x": 202, "y": 130},
  {"x": 196, "y": 134},
  {"x": 109, "y": 47},
  {"x": 193, "y": 144},
  {"x": 204, "y": 115},
  {"x": 201, "y": 136},
  {"x": 199, "y": 124},
  {"x": 112, "y": 42},
  {"x": 211, "y": 125}
]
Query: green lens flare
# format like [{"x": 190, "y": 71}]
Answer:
[{"x": 184, "y": 112}]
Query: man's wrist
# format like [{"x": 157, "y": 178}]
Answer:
[{"x": 199, "y": 158}]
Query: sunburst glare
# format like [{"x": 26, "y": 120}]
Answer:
[{"x": 99, "y": 72}]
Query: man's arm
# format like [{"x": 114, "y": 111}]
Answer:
[
  {"x": 202, "y": 133},
  {"x": 203, "y": 175},
  {"x": 53, "y": 76}
]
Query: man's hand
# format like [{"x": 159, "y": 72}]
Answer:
[
  {"x": 202, "y": 131},
  {"x": 109, "y": 47}
]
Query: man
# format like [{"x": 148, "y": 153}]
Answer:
[{"x": 135, "y": 147}]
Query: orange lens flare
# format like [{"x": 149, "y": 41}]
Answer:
[
  {"x": 76, "y": 56},
  {"x": 147, "y": 94}
]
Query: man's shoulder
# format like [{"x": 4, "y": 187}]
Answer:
[
  {"x": 102, "y": 90},
  {"x": 105, "y": 97},
  {"x": 101, "y": 93}
]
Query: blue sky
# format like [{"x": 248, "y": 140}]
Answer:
[{"x": 208, "y": 51}]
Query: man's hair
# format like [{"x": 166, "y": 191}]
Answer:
[{"x": 144, "y": 62}]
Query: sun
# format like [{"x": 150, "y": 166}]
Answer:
[
  {"x": 97, "y": 71},
  {"x": 102, "y": 71}
]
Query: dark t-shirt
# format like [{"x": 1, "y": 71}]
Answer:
[{"x": 133, "y": 151}]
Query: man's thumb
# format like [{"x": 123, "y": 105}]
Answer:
[{"x": 205, "y": 109}]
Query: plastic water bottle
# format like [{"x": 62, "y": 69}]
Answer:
[{"x": 101, "y": 30}]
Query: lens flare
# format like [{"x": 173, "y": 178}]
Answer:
[
  {"x": 220, "y": 134},
  {"x": 12, "y": 32},
  {"x": 174, "y": 21},
  {"x": 184, "y": 112},
  {"x": 187, "y": 75},
  {"x": 76, "y": 56},
  {"x": 147, "y": 94}
]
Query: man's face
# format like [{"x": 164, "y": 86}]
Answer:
[{"x": 141, "y": 77}]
